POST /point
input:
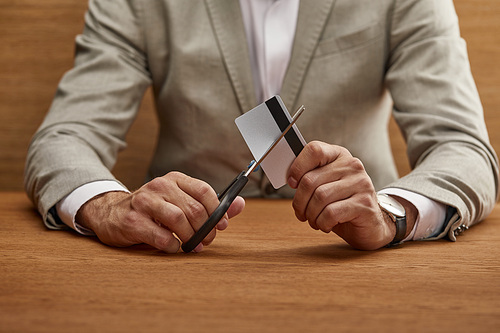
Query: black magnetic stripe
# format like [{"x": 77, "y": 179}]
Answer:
[{"x": 282, "y": 121}]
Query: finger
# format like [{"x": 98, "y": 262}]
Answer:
[
  {"x": 359, "y": 211},
  {"x": 200, "y": 191},
  {"x": 173, "y": 219},
  {"x": 205, "y": 194},
  {"x": 308, "y": 186},
  {"x": 323, "y": 196},
  {"x": 331, "y": 192},
  {"x": 190, "y": 194},
  {"x": 333, "y": 214},
  {"x": 148, "y": 232},
  {"x": 160, "y": 211},
  {"x": 311, "y": 168},
  {"x": 192, "y": 204},
  {"x": 236, "y": 208},
  {"x": 195, "y": 199},
  {"x": 202, "y": 203},
  {"x": 314, "y": 154},
  {"x": 223, "y": 223}
]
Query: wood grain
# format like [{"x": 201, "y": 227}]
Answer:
[
  {"x": 37, "y": 48},
  {"x": 266, "y": 273},
  {"x": 37, "y": 39}
]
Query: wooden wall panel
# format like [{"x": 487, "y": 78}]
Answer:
[
  {"x": 36, "y": 39},
  {"x": 37, "y": 47}
]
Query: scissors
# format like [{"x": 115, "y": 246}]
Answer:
[{"x": 230, "y": 193}]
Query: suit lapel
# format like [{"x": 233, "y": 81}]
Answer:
[
  {"x": 227, "y": 23},
  {"x": 310, "y": 23}
]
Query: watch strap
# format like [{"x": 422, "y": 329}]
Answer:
[{"x": 400, "y": 223}]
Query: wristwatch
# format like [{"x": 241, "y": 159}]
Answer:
[{"x": 397, "y": 214}]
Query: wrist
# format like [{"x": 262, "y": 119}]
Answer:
[
  {"x": 97, "y": 209},
  {"x": 411, "y": 214},
  {"x": 400, "y": 229}
]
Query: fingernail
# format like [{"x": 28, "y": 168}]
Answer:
[
  {"x": 223, "y": 224},
  {"x": 292, "y": 182},
  {"x": 198, "y": 248}
]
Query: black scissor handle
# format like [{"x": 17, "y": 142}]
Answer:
[{"x": 226, "y": 199}]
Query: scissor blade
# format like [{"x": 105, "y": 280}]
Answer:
[{"x": 275, "y": 143}]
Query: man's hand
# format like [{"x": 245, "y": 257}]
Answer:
[
  {"x": 334, "y": 193},
  {"x": 168, "y": 205}
]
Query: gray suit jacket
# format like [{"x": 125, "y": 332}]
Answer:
[{"x": 352, "y": 64}]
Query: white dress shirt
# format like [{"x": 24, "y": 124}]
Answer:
[{"x": 270, "y": 29}]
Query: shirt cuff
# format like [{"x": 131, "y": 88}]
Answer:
[
  {"x": 70, "y": 204},
  {"x": 431, "y": 214}
]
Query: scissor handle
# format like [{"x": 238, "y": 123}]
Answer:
[{"x": 226, "y": 200}]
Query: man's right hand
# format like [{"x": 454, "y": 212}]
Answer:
[{"x": 172, "y": 204}]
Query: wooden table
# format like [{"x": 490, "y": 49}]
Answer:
[{"x": 266, "y": 273}]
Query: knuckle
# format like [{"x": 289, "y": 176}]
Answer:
[
  {"x": 367, "y": 204},
  {"x": 344, "y": 151},
  {"x": 197, "y": 211},
  {"x": 158, "y": 184},
  {"x": 139, "y": 200},
  {"x": 203, "y": 189},
  {"x": 313, "y": 225},
  {"x": 168, "y": 244},
  {"x": 324, "y": 225},
  {"x": 174, "y": 216},
  {"x": 328, "y": 219},
  {"x": 308, "y": 182},
  {"x": 324, "y": 228},
  {"x": 356, "y": 164},
  {"x": 130, "y": 221},
  {"x": 365, "y": 183},
  {"x": 365, "y": 200},
  {"x": 330, "y": 214},
  {"x": 172, "y": 176},
  {"x": 315, "y": 148},
  {"x": 321, "y": 194}
]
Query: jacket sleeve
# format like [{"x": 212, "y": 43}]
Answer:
[
  {"x": 437, "y": 107},
  {"x": 93, "y": 108}
]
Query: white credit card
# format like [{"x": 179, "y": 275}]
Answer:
[{"x": 260, "y": 127}]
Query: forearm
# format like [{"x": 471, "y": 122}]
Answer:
[
  {"x": 439, "y": 111},
  {"x": 56, "y": 166},
  {"x": 94, "y": 106}
]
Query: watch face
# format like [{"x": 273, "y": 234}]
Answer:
[{"x": 391, "y": 205}]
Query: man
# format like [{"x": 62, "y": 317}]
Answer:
[{"x": 350, "y": 62}]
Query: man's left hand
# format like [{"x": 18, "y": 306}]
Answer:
[{"x": 334, "y": 193}]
